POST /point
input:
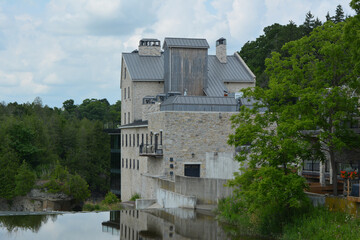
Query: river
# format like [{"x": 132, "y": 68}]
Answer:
[{"x": 125, "y": 224}]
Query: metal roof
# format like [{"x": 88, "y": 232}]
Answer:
[
  {"x": 199, "y": 103},
  {"x": 145, "y": 68},
  {"x": 186, "y": 43},
  {"x": 232, "y": 71}
]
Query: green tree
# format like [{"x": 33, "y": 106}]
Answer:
[
  {"x": 77, "y": 187},
  {"x": 270, "y": 196},
  {"x": 339, "y": 14},
  {"x": 318, "y": 71},
  {"x": 9, "y": 164},
  {"x": 24, "y": 180},
  {"x": 355, "y": 4}
]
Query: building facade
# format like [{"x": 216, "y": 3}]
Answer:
[{"x": 176, "y": 107}]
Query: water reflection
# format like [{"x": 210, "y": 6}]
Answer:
[{"x": 126, "y": 224}]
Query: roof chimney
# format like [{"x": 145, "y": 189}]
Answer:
[
  {"x": 149, "y": 47},
  {"x": 221, "y": 50}
]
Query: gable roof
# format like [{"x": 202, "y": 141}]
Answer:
[
  {"x": 232, "y": 71},
  {"x": 144, "y": 68},
  {"x": 186, "y": 43}
]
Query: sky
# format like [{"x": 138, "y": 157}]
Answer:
[{"x": 71, "y": 49}]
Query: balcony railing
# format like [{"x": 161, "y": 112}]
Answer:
[{"x": 150, "y": 150}]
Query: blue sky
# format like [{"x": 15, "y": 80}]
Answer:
[{"x": 71, "y": 49}]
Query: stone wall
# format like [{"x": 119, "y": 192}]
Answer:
[
  {"x": 130, "y": 176},
  {"x": 188, "y": 136},
  {"x": 236, "y": 87},
  {"x": 142, "y": 89}
]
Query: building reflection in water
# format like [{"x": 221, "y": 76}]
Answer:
[{"x": 163, "y": 224}]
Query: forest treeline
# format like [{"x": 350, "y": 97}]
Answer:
[
  {"x": 65, "y": 145},
  {"x": 275, "y": 36}
]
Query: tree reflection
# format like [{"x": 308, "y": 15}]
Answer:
[{"x": 25, "y": 222}]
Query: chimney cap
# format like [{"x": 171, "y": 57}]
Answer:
[
  {"x": 221, "y": 41},
  {"x": 149, "y": 42}
]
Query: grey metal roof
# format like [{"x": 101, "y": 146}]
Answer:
[
  {"x": 186, "y": 43},
  {"x": 145, "y": 68},
  {"x": 250, "y": 102},
  {"x": 199, "y": 103},
  {"x": 232, "y": 71}
]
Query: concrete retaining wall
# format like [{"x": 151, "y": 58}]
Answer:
[
  {"x": 168, "y": 199},
  {"x": 206, "y": 190},
  {"x": 316, "y": 199}
]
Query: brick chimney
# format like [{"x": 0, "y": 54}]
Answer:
[
  {"x": 149, "y": 47},
  {"x": 221, "y": 50}
]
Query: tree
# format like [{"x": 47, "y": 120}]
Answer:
[
  {"x": 355, "y": 4},
  {"x": 309, "y": 23},
  {"x": 318, "y": 71},
  {"x": 339, "y": 14},
  {"x": 25, "y": 179}
]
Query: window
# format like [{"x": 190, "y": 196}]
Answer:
[
  {"x": 128, "y": 117},
  {"x": 124, "y": 118},
  {"x": 122, "y": 142},
  {"x": 126, "y": 163},
  {"x": 192, "y": 170},
  {"x": 124, "y": 93},
  {"x": 146, "y": 139},
  {"x": 133, "y": 140},
  {"x": 160, "y": 137},
  {"x": 122, "y": 163},
  {"x": 133, "y": 163},
  {"x": 128, "y": 92},
  {"x": 137, "y": 140},
  {"x": 130, "y": 163},
  {"x": 126, "y": 140},
  {"x": 129, "y": 140},
  {"x": 138, "y": 164},
  {"x": 142, "y": 139}
]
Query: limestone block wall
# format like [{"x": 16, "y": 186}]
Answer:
[
  {"x": 236, "y": 87},
  {"x": 188, "y": 136},
  {"x": 132, "y": 165},
  {"x": 142, "y": 89},
  {"x": 149, "y": 108},
  {"x": 126, "y": 101}
]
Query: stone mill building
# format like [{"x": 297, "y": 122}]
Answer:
[{"x": 177, "y": 101}]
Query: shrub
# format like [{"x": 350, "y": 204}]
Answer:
[
  {"x": 135, "y": 196},
  {"x": 110, "y": 198},
  {"x": 77, "y": 187},
  {"x": 53, "y": 186}
]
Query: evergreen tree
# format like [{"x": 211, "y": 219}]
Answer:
[
  {"x": 339, "y": 16},
  {"x": 24, "y": 180}
]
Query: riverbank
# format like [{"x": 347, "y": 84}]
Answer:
[
  {"x": 318, "y": 223},
  {"x": 37, "y": 200}
]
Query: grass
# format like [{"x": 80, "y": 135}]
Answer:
[{"x": 323, "y": 224}]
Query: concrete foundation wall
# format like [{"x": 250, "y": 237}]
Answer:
[
  {"x": 206, "y": 190},
  {"x": 221, "y": 165},
  {"x": 168, "y": 199}
]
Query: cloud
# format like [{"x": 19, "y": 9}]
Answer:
[{"x": 72, "y": 49}]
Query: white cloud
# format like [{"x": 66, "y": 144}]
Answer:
[{"x": 72, "y": 49}]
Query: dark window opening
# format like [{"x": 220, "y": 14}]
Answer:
[
  {"x": 192, "y": 170},
  {"x": 138, "y": 164}
]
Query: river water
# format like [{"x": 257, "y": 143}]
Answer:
[{"x": 125, "y": 224}]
